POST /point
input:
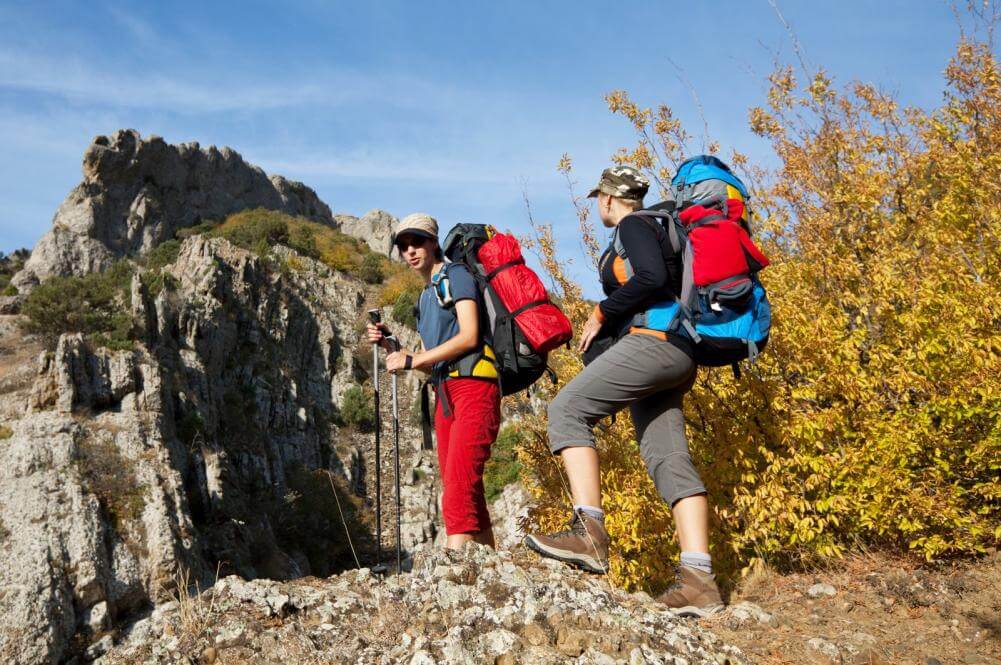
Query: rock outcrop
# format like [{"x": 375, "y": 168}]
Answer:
[
  {"x": 474, "y": 606},
  {"x": 138, "y": 192},
  {"x": 211, "y": 448},
  {"x": 375, "y": 227},
  {"x": 509, "y": 512}
]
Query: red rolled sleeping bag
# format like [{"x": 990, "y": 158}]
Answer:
[{"x": 522, "y": 292}]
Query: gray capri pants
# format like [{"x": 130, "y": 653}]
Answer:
[{"x": 651, "y": 377}]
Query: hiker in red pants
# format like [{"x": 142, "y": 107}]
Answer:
[{"x": 463, "y": 373}]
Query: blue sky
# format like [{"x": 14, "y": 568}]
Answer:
[{"x": 444, "y": 107}]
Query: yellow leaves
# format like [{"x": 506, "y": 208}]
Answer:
[
  {"x": 820, "y": 88},
  {"x": 565, "y": 165},
  {"x": 618, "y": 102},
  {"x": 874, "y": 416},
  {"x": 780, "y": 92},
  {"x": 763, "y": 123}
]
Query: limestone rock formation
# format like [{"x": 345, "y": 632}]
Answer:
[
  {"x": 202, "y": 451},
  {"x": 508, "y": 512},
  {"x": 474, "y": 606},
  {"x": 138, "y": 192},
  {"x": 375, "y": 227}
]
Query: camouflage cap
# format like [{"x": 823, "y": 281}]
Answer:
[
  {"x": 418, "y": 224},
  {"x": 622, "y": 182}
]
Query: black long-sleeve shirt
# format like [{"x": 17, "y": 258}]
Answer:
[{"x": 657, "y": 271}]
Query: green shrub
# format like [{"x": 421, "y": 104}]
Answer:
[
  {"x": 198, "y": 229},
  {"x": 318, "y": 522},
  {"x": 157, "y": 281},
  {"x": 256, "y": 230},
  {"x": 401, "y": 291},
  {"x": 372, "y": 269},
  {"x": 95, "y": 304},
  {"x": 503, "y": 467},
  {"x": 357, "y": 409},
  {"x": 9, "y": 290},
  {"x": 162, "y": 255},
  {"x": 5, "y": 432},
  {"x": 302, "y": 238},
  {"x": 403, "y": 309},
  {"x": 111, "y": 477}
]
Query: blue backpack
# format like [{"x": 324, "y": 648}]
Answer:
[{"x": 727, "y": 321}]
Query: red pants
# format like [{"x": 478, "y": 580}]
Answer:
[{"x": 464, "y": 440}]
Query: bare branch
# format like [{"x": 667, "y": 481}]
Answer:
[
  {"x": 796, "y": 46},
  {"x": 695, "y": 97}
]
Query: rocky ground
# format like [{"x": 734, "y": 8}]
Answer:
[
  {"x": 512, "y": 607},
  {"x": 869, "y": 609},
  {"x": 476, "y": 606}
]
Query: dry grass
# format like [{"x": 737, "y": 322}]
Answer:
[
  {"x": 111, "y": 476},
  {"x": 193, "y": 613}
]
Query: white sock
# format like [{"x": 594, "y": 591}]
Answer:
[
  {"x": 698, "y": 561},
  {"x": 591, "y": 511}
]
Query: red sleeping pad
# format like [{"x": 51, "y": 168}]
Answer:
[
  {"x": 519, "y": 288},
  {"x": 721, "y": 247}
]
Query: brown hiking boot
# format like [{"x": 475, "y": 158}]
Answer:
[
  {"x": 693, "y": 594},
  {"x": 584, "y": 544}
]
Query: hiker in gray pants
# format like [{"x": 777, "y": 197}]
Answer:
[
  {"x": 648, "y": 371},
  {"x": 651, "y": 378}
]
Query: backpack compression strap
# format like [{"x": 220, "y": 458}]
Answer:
[
  {"x": 687, "y": 299},
  {"x": 502, "y": 267}
]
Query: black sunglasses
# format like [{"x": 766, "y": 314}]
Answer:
[{"x": 410, "y": 241}]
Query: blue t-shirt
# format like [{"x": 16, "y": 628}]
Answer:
[{"x": 438, "y": 324}]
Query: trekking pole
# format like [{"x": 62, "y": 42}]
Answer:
[
  {"x": 396, "y": 457},
  {"x": 375, "y": 316},
  {"x": 396, "y": 462}
]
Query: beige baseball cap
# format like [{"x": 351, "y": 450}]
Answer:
[{"x": 418, "y": 224}]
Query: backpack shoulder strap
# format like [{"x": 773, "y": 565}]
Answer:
[{"x": 668, "y": 223}]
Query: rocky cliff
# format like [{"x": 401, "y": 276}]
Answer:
[{"x": 204, "y": 450}]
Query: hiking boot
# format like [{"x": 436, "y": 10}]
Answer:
[
  {"x": 584, "y": 544},
  {"x": 693, "y": 594}
]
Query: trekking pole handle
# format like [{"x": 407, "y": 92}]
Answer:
[{"x": 375, "y": 316}]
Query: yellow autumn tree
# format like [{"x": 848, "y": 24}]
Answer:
[{"x": 872, "y": 419}]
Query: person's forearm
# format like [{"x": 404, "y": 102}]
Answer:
[{"x": 454, "y": 348}]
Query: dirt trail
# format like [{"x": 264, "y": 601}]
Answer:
[{"x": 873, "y": 609}]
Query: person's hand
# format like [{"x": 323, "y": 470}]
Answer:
[
  {"x": 591, "y": 329},
  {"x": 398, "y": 360},
  {"x": 377, "y": 335}
]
